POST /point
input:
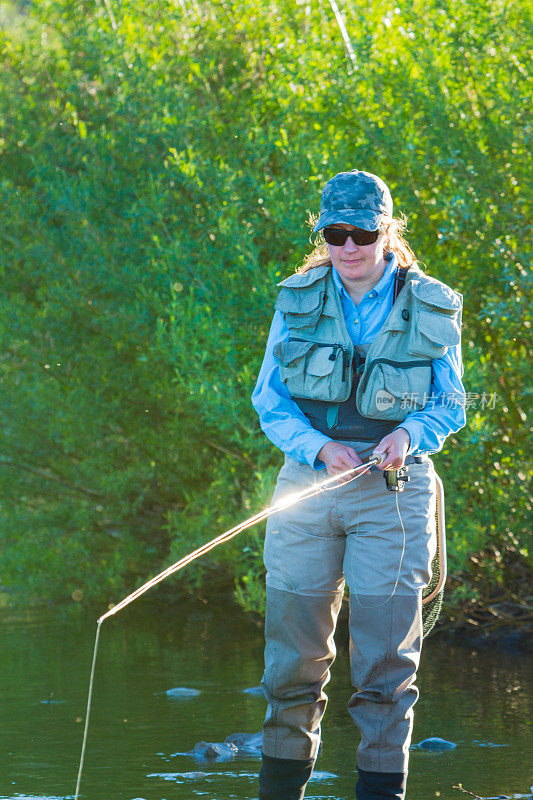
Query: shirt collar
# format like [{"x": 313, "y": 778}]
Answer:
[{"x": 381, "y": 286}]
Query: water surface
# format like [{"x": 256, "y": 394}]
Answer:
[{"x": 480, "y": 700}]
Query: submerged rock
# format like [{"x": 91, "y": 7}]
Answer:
[
  {"x": 213, "y": 751},
  {"x": 246, "y": 743},
  {"x": 435, "y": 743},
  {"x": 236, "y": 744},
  {"x": 182, "y": 693}
]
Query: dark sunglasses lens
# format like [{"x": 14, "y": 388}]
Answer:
[
  {"x": 365, "y": 237},
  {"x": 335, "y": 236},
  {"x": 338, "y": 236}
]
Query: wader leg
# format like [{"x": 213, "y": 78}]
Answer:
[
  {"x": 304, "y": 551},
  {"x": 386, "y": 571},
  {"x": 298, "y": 655},
  {"x": 385, "y": 648}
]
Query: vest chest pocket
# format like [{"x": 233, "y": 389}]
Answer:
[
  {"x": 391, "y": 391},
  {"x": 314, "y": 370},
  {"x": 291, "y": 356},
  {"x": 301, "y": 307},
  {"x": 436, "y": 320}
]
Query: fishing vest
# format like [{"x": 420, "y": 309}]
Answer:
[{"x": 348, "y": 393}]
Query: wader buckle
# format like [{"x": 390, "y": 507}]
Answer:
[{"x": 395, "y": 479}]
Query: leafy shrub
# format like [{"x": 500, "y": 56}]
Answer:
[{"x": 159, "y": 161}]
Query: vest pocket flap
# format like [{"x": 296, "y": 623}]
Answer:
[
  {"x": 287, "y": 352},
  {"x": 437, "y": 294},
  {"x": 320, "y": 362},
  {"x": 394, "y": 380},
  {"x": 300, "y": 301},
  {"x": 440, "y": 329},
  {"x": 392, "y": 391},
  {"x": 436, "y": 320},
  {"x": 306, "y": 369}
]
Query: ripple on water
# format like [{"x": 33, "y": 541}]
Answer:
[{"x": 183, "y": 777}]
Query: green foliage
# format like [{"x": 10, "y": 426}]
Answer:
[{"x": 158, "y": 164}]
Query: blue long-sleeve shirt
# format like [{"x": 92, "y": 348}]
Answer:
[{"x": 290, "y": 430}]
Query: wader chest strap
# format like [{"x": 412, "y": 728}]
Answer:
[{"x": 399, "y": 281}]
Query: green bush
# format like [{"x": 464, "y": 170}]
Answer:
[{"x": 158, "y": 164}]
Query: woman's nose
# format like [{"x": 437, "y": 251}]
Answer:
[{"x": 350, "y": 245}]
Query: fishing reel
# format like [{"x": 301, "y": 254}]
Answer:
[{"x": 395, "y": 479}]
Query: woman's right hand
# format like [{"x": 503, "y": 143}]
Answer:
[{"x": 338, "y": 458}]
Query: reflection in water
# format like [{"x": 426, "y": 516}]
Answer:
[{"x": 481, "y": 701}]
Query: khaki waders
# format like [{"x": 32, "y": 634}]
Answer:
[{"x": 354, "y": 534}]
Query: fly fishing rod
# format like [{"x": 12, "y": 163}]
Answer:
[{"x": 333, "y": 482}]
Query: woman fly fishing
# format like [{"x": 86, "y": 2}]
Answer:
[{"x": 363, "y": 358}]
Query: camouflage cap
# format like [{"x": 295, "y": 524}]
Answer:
[{"x": 356, "y": 198}]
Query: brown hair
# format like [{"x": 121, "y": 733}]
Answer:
[{"x": 392, "y": 228}]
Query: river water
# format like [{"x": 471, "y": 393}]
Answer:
[{"x": 480, "y": 700}]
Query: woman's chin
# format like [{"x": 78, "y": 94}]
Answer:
[{"x": 352, "y": 270}]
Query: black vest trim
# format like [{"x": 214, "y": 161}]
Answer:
[{"x": 345, "y": 422}]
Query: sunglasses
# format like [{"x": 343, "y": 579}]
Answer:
[{"x": 338, "y": 236}]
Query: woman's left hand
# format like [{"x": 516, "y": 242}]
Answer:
[{"x": 395, "y": 447}]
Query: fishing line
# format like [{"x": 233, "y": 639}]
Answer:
[
  {"x": 88, "y": 712},
  {"x": 285, "y": 502}
]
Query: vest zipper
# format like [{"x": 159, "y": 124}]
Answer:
[{"x": 335, "y": 345}]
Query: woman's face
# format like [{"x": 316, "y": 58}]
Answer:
[{"x": 355, "y": 262}]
